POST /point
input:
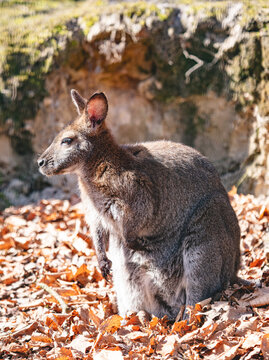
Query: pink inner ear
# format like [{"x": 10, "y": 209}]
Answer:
[{"x": 97, "y": 109}]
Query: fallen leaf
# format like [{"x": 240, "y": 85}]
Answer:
[
  {"x": 251, "y": 341},
  {"x": 181, "y": 327},
  {"x": 7, "y": 243},
  {"x": 257, "y": 263},
  {"x": 265, "y": 346},
  {"x": 108, "y": 355},
  {"x": 167, "y": 346},
  {"x": 137, "y": 335},
  {"x": 112, "y": 324},
  {"x": 94, "y": 318},
  {"x": 15, "y": 221},
  {"x": 82, "y": 274},
  {"x": 153, "y": 323},
  {"x": 81, "y": 344}
]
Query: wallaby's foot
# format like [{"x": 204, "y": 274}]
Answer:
[
  {"x": 105, "y": 266},
  {"x": 240, "y": 281}
]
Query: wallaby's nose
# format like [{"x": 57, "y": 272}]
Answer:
[{"x": 40, "y": 162}]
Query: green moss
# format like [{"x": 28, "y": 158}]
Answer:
[
  {"x": 252, "y": 9},
  {"x": 245, "y": 70},
  {"x": 35, "y": 36},
  {"x": 143, "y": 9},
  {"x": 217, "y": 9},
  {"x": 32, "y": 34}
]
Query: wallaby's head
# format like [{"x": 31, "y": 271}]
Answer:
[{"x": 76, "y": 143}]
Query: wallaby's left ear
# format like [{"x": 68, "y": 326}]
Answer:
[
  {"x": 96, "y": 109},
  {"x": 78, "y": 100}
]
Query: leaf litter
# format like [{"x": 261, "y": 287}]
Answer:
[{"x": 55, "y": 304}]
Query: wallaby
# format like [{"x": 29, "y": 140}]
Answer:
[{"x": 160, "y": 206}]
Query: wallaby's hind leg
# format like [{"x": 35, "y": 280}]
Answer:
[
  {"x": 210, "y": 256},
  {"x": 205, "y": 274},
  {"x": 202, "y": 273}
]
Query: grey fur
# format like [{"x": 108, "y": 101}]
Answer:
[{"x": 173, "y": 235}]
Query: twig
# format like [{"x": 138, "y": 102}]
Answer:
[
  {"x": 55, "y": 295},
  {"x": 198, "y": 64},
  {"x": 180, "y": 313}
]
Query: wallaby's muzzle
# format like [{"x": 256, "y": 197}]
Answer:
[{"x": 43, "y": 165}]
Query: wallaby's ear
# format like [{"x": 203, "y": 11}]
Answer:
[
  {"x": 96, "y": 109},
  {"x": 78, "y": 100}
]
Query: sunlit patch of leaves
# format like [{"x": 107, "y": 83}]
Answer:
[{"x": 54, "y": 303}]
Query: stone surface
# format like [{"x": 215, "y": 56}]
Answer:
[{"x": 187, "y": 73}]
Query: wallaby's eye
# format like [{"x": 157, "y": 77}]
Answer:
[{"x": 66, "y": 141}]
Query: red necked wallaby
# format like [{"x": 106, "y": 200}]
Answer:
[{"x": 173, "y": 236}]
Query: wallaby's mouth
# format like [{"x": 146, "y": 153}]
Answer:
[{"x": 47, "y": 167}]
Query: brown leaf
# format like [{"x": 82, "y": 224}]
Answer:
[
  {"x": 137, "y": 335},
  {"x": 81, "y": 344},
  {"x": 181, "y": 327},
  {"x": 17, "y": 348},
  {"x": 27, "y": 330},
  {"x": 108, "y": 355},
  {"x": 229, "y": 354},
  {"x": 112, "y": 324},
  {"x": 82, "y": 274},
  {"x": 41, "y": 338},
  {"x": 233, "y": 191},
  {"x": 257, "y": 263},
  {"x": 94, "y": 318},
  {"x": 167, "y": 346},
  {"x": 264, "y": 211},
  {"x": 14, "y": 220},
  {"x": 134, "y": 320},
  {"x": 265, "y": 346},
  {"x": 22, "y": 242},
  {"x": 154, "y": 322},
  {"x": 259, "y": 298},
  {"x": 7, "y": 243},
  {"x": 251, "y": 341},
  {"x": 96, "y": 276}
]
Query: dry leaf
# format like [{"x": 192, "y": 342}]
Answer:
[
  {"x": 265, "y": 346},
  {"x": 137, "y": 335},
  {"x": 251, "y": 341},
  {"x": 181, "y": 327},
  {"x": 94, "y": 318},
  {"x": 153, "y": 323},
  {"x": 82, "y": 275},
  {"x": 167, "y": 346},
  {"x": 108, "y": 355},
  {"x": 257, "y": 263},
  {"x": 112, "y": 324},
  {"x": 81, "y": 344}
]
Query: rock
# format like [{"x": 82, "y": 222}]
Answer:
[
  {"x": 8, "y": 158},
  {"x": 193, "y": 73}
]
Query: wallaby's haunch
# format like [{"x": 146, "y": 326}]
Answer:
[{"x": 173, "y": 235}]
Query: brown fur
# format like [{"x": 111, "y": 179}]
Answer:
[{"x": 173, "y": 235}]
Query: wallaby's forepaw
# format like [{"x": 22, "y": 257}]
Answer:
[{"x": 105, "y": 266}]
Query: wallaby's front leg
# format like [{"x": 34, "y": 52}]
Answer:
[{"x": 100, "y": 239}]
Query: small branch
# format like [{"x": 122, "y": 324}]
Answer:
[
  {"x": 55, "y": 295},
  {"x": 180, "y": 313},
  {"x": 195, "y": 67}
]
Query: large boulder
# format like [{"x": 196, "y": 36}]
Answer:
[{"x": 193, "y": 73}]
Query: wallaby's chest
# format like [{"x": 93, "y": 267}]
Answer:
[{"x": 103, "y": 209}]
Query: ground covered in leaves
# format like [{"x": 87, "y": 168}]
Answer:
[{"x": 54, "y": 303}]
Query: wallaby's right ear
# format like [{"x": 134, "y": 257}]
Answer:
[
  {"x": 96, "y": 109},
  {"x": 78, "y": 100}
]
